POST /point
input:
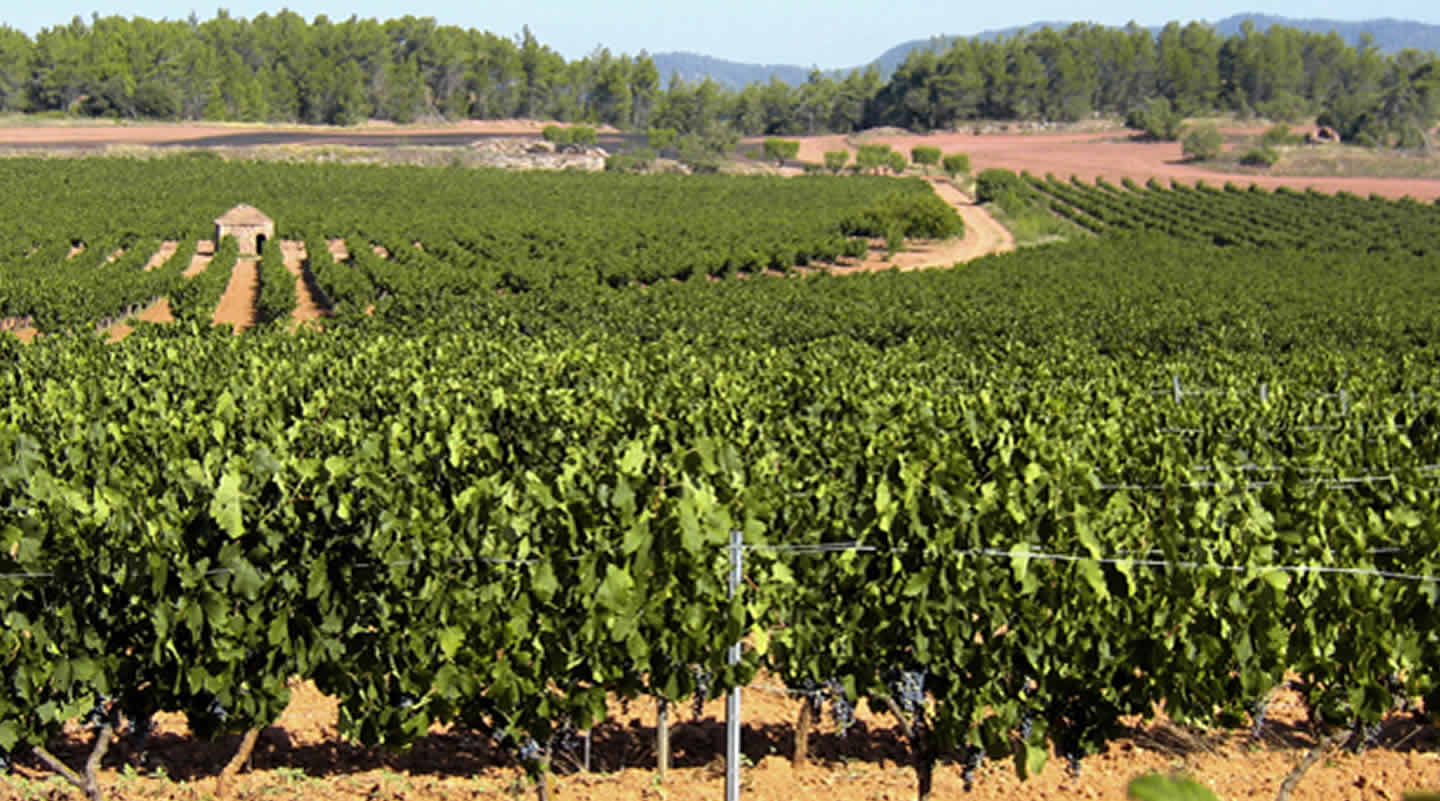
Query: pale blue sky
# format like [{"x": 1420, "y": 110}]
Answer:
[{"x": 824, "y": 33}]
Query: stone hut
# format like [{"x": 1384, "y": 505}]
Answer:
[{"x": 248, "y": 225}]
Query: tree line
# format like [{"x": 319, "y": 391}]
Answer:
[{"x": 283, "y": 68}]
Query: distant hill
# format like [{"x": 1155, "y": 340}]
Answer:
[{"x": 1391, "y": 35}]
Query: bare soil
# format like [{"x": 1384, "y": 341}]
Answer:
[
  {"x": 308, "y": 308},
  {"x": 157, "y": 312},
  {"x": 237, "y": 305},
  {"x": 161, "y": 256},
  {"x": 301, "y": 757},
  {"x": 75, "y": 250},
  {"x": 1090, "y": 155},
  {"x": 338, "y": 249},
  {"x": 204, "y": 254}
]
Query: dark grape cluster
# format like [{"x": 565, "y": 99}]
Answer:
[
  {"x": 1072, "y": 761},
  {"x": 1259, "y": 709},
  {"x": 841, "y": 709},
  {"x": 1027, "y": 726},
  {"x": 4, "y": 761},
  {"x": 908, "y": 689},
  {"x": 974, "y": 758},
  {"x": 704, "y": 683},
  {"x": 1363, "y": 737},
  {"x": 99, "y": 714},
  {"x": 530, "y": 751},
  {"x": 814, "y": 694},
  {"x": 141, "y": 725},
  {"x": 217, "y": 710}
]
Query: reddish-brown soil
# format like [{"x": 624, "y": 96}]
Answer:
[
  {"x": 75, "y": 250},
  {"x": 161, "y": 256},
  {"x": 301, "y": 757},
  {"x": 307, "y": 308},
  {"x": 381, "y": 251},
  {"x": 204, "y": 254},
  {"x": 1091, "y": 155},
  {"x": 237, "y": 305},
  {"x": 157, "y": 312},
  {"x": 339, "y": 251}
]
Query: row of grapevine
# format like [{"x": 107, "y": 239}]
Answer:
[
  {"x": 505, "y": 230},
  {"x": 1283, "y": 219},
  {"x": 498, "y": 510}
]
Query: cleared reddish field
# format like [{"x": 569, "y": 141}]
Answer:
[{"x": 1091, "y": 155}]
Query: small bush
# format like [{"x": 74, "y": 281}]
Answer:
[
  {"x": 835, "y": 160},
  {"x": 1156, "y": 120},
  {"x": 557, "y": 135},
  {"x": 1279, "y": 135},
  {"x": 1260, "y": 157},
  {"x": 637, "y": 160},
  {"x": 1203, "y": 143},
  {"x": 872, "y": 157},
  {"x": 993, "y": 183},
  {"x": 896, "y": 162},
  {"x": 914, "y": 214},
  {"x": 583, "y": 135},
  {"x": 781, "y": 150},
  {"x": 662, "y": 138},
  {"x": 925, "y": 155},
  {"x": 956, "y": 164}
]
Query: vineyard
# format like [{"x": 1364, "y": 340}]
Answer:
[{"x": 1014, "y": 504}]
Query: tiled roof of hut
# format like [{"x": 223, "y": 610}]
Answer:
[{"x": 243, "y": 214}]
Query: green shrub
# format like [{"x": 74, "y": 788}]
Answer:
[
  {"x": 872, "y": 157},
  {"x": 993, "y": 183},
  {"x": 1203, "y": 143},
  {"x": 1157, "y": 120},
  {"x": 557, "y": 135},
  {"x": 662, "y": 138},
  {"x": 913, "y": 214},
  {"x": 1260, "y": 157},
  {"x": 583, "y": 135},
  {"x": 1279, "y": 135},
  {"x": 896, "y": 162},
  {"x": 956, "y": 163},
  {"x": 925, "y": 155},
  {"x": 835, "y": 160},
  {"x": 780, "y": 150},
  {"x": 637, "y": 160}
]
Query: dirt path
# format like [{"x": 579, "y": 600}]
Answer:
[
  {"x": 75, "y": 250},
  {"x": 161, "y": 256},
  {"x": 157, "y": 312},
  {"x": 307, "y": 308},
  {"x": 237, "y": 305},
  {"x": 983, "y": 236},
  {"x": 338, "y": 249},
  {"x": 204, "y": 254}
]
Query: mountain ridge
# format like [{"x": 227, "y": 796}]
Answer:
[{"x": 1390, "y": 34}]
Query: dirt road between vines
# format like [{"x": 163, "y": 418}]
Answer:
[
  {"x": 983, "y": 236},
  {"x": 157, "y": 312},
  {"x": 308, "y": 308},
  {"x": 237, "y": 305},
  {"x": 204, "y": 254}
]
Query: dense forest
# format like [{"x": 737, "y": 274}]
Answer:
[{"x": 282, "y": 67}]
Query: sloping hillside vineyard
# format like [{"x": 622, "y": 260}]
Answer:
[{"x": 1022, "y": 499}]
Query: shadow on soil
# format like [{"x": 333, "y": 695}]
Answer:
[{"x": 621, "y": 744}]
